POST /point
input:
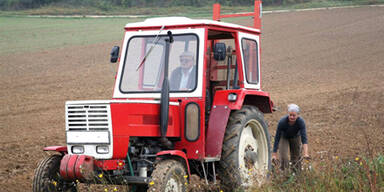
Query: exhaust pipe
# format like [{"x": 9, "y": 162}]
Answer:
[{"x": 164, "y": 104}]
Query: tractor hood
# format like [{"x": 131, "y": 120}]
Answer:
[{"x": 141, "y": 118}]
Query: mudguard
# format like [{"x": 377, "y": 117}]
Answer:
[
  {"x": 60, "y": 149},
  {"x": 220, "y": 112},
  {"x": 260, "y": 99},
  {"x": 176, "y": 153}
]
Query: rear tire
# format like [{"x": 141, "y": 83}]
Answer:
[
  {"x": 246, "y": 156},
  {"x": 168, "y": 176},
  {"x": 47, "y": 177}
]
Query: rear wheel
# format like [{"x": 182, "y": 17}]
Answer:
[
  {"x": 168, "y": 176},
  {"x": 47, "y": 177},
  {"x": 246, "y": 149}
]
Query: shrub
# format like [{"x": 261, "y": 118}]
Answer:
[{"x": 333, "y": 174}]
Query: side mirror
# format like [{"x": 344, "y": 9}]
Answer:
[
  {"x": 115, "y": 54},
  {"x": 219, "y": 52}
]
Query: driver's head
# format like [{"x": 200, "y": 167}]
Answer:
[{"x": 187, "y": 60}]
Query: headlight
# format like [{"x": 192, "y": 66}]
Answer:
[
  {"x": 77, "y": 149},
  {"x": 102, "y": 149},
  {"x": 232, "y": 97}
]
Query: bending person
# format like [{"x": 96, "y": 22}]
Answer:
[{"x": 290, "y": 134}]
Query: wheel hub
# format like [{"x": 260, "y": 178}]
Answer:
[{"x": 250, "y": 157}]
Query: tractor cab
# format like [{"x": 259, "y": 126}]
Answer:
[{"x": 224, "y": 57}]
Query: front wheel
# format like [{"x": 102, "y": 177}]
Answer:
[
  {"x": 47, "y": 177},
  {"x": 168, "y": 176},
  {"x": 246, "y": 152}
]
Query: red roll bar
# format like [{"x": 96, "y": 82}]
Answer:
[{"x": 256, "y": 14}]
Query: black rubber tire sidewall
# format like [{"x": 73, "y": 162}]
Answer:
[{"x": 47, "y": 171}]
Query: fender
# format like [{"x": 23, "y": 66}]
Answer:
[
  {"x": 260, "y": 99},
  {"x": 175, "y": 153},
  {"x": 60, "y": 149},
  {"x": 220, "y": 112}
]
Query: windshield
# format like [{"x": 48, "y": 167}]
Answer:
[{"x": 146, "y": 75}]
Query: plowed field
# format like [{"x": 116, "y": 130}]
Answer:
[{"x": 329, "y": 62}]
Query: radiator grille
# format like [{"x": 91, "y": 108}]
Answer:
[{"x": 88, "y": 117}]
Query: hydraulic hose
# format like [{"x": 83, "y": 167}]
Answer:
[{"x": 131, "y": 170}]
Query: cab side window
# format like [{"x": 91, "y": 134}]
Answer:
[{"x": 250, "y": 60}]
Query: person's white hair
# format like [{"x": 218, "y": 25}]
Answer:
[
  {"x": 187, "y": 54},
  {"x": 293, "y": 108}
]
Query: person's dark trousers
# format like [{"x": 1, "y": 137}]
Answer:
[{"x": 293, "y": 146}]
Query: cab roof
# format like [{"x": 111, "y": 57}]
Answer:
[{"x": 170, "y": 22}]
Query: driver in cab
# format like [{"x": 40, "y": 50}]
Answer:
[{"x": 183, "y": 77}]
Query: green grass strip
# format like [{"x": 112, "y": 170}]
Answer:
[{"x": 19, "y": 34}]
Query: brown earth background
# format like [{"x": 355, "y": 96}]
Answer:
[{"x": 329, "y": 62}]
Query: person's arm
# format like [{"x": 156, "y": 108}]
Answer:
[
  {"x": 191, "y": 79},
  {"x": 174, "y": 81},
  {"x": 305, "y": 150},
  {"x": 277, "y": 140},
  {"x": 304, "y": 140}
]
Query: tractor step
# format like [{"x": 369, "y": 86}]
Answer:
[{"x": 121, "y": 180}]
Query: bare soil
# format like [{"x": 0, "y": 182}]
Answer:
[{"x": 329, "y": 62}]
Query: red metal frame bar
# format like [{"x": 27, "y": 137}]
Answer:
[{"x": 256, "y": 14}]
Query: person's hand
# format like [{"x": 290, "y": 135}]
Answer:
[
  {"x": 275, "y": 161},
  {"x": 306, "y": 156},
  {"x": 274, "y": 156}
]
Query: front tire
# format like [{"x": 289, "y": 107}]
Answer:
[
  {"x": 47, "y": 177},
  {"x": 168, "y": 176},
  {"x": 246, "y": 156}
]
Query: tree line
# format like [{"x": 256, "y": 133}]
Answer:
[{"x": 30, "y": 4}]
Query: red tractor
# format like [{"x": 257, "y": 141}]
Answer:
[{"x": 187, "y": 100}]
